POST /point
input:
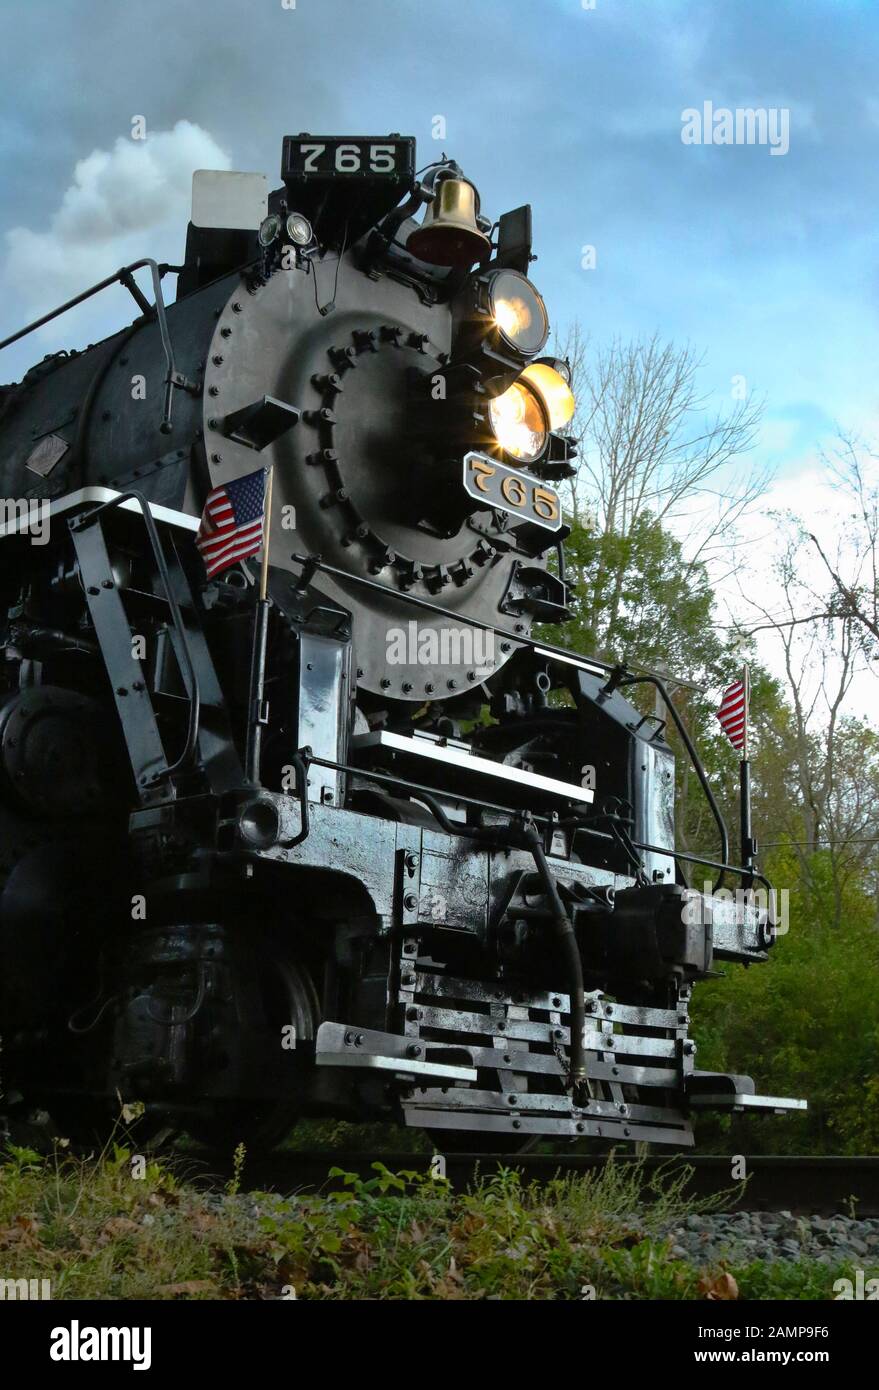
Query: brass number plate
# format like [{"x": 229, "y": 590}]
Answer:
[{"x": 496, "y": 485}]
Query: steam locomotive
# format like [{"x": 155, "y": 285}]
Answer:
[{"x": 334, "y": 831}]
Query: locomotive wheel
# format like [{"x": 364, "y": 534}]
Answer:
[
  {"x": 54, "y": 906},
  {"x": 260, "y": 1124},
  {"x": 90, "y": 1122}
]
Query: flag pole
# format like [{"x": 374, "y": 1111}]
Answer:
[
  {"x": 257, "y": 709},
  {"x": 264, "y": 570},
  {"x": 748, "y": 843}
]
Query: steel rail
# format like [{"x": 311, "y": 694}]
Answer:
[{"x": 812, "y": 1183}]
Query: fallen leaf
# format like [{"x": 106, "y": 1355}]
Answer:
[
  {"x": 719, "y": 1287},
  {"x": 115, "y": 1227},
  {"x": 24, "y": 1231},
  {"x": 203, "y": 1220}
]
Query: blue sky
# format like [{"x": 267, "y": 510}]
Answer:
[{"x": 766, "y": 264}]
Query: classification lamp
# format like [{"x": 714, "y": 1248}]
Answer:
[{"x": 299, "y": 229}]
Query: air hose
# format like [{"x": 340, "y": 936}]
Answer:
[
  {"x": 524, "y": 832},
  {"x": 565, "y": 931}
]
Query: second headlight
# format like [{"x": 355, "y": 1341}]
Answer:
[
  {"x": 539, "y": 402},
  {"x": 519, "y": 422}
]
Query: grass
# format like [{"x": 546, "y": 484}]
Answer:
[{"x": 117, "y": 1226}]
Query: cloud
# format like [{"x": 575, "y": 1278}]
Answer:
[
  {"x": 138, "y": 184},
  {"x": 122, "y": 204}
]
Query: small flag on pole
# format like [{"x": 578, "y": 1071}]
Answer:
[
  {"x": 733, "y": 715},
  {"x": 231, "y": 525}
]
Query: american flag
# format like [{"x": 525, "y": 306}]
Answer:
[
  {"x": 733, "y": 714},
  {"x": 232, "y": 522}
]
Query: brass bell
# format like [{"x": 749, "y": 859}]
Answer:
[{"x": 449, "y": 235}]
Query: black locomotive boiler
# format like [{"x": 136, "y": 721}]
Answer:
[{"x": 352, "y": 841}]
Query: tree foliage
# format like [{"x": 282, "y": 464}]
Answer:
[{"x": 807, "y": 1022}]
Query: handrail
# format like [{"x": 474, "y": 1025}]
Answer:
[
  {"x": 694, "y": 759},
  {"x": 125, "y": 277},
  {"x": 192, "y": 731}
]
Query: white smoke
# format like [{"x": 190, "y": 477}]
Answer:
[{"x": 122, "y": 204}]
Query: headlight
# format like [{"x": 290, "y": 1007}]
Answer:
[
  {"x": 518, "y": 312},
  {"x": 550, "y": 379},
  {"x": 539, "y": 401},
  {"x": 519, "y": 422}
]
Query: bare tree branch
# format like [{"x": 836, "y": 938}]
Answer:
[
  {"x": 646, "y": 443},
  {"x": 854, "y": 573}
]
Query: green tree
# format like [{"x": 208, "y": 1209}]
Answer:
[{"x": 639, "y": 600}]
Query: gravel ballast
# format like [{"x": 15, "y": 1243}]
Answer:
[{"x": 775, "y": 1235}]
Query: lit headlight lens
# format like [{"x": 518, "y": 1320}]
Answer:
[
  {"x": 518, "y": 312},
  {"x": 519, "y": 422},
  {"x": 553, "y": 390}
]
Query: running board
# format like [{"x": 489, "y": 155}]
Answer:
[
  {"x": 729, "y": 1093},
  {"x": 708, "y": 1090},
  {"x": 471, "y": 1057},
  {"x": 338, "y": 1045},
  {"x": 550, "y": 1115},
  {"x": 740, "y": 1100},
  {"x": 454, "y": 1103}
]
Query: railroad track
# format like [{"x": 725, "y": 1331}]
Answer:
[{"x": 834, "y": 1184}]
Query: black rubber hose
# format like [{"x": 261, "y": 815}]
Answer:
[
  {"x": 529, "y": 837},
  {"x": 568, "y": 940}
]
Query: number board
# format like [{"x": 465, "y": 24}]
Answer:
[
  {"x": 322, "y": 157},
  {"x": 523, "y": 495}
]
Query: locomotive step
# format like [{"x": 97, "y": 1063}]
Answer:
[{"x": 339, "y": 1045}]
